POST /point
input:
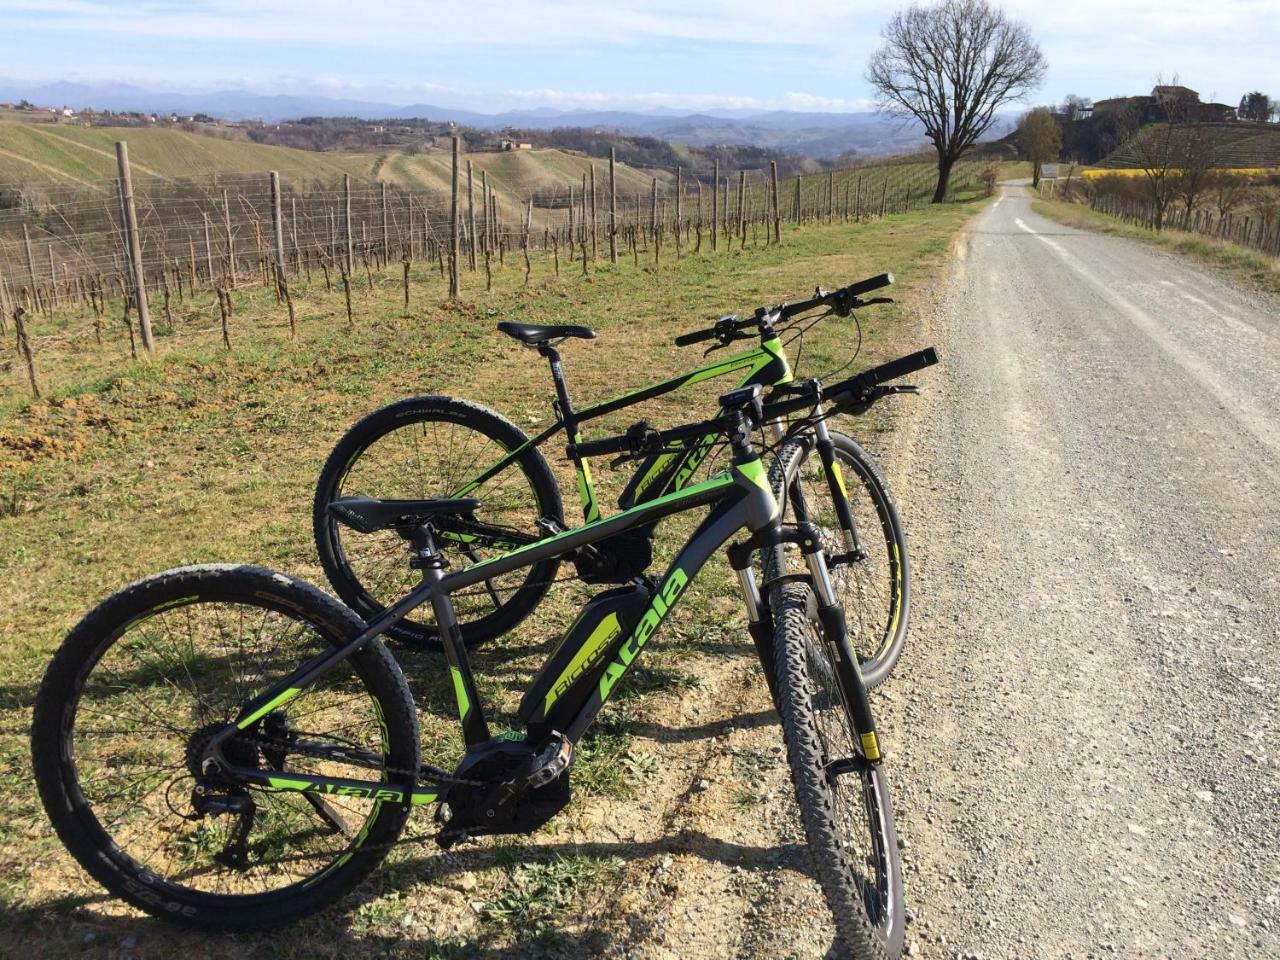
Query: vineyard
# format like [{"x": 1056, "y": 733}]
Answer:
[{"x": 116, "y": 262}]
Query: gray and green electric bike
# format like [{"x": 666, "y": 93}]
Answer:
[
  {"x": 438, "y": 446},
  {"x": 229, "y": 748}
]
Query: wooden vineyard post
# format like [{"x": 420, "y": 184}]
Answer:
[
  {"x": 31, "y": 269},
  {"x": 208, "y": 249},
  {"x": 715, "y": 206},
  {"x": 231, "y": 248},
  {"x": 613, "y": 207},
  {"x": 135, "y": 246},
  {"x": 349, "y": 263},
  {"x": 471, "y": 219},
  {"x": 487, "y": 233},
  {"x": 277, "y": 227},
  {"x": 54, "y": 299},
  {"x": 453, "y": 228},
  {"x": 777, "y": 213},
  {"x": 724, "y": 205},
  {"x": 524, "y": 241},
  {"x": 569, "y": 234},
  {"x": 594, "y": 252},
  {"x": 5, "y": 307},
  {"x": 742, "y": 205},
  {"x": 386, "y": 234},
  {"x": 293, "y": 237},
  {"x": 679, "y": 206},
  {"x": 24, "y": 347},
  {"x": 697, "y": 248},
  {"x": 653, "y": 213}
]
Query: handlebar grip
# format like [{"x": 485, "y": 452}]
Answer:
[
  {"x": 866, "y": 286},
  {"x": 900, "y": 367},
  {"x": 698, "y": 336}
]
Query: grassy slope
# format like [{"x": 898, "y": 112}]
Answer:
[
  {"x": 1248, "y": 266},
  {"x": 69, "y": 153},
  {"x": 205, "y": 455}
]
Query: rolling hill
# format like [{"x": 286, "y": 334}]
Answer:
[{"x": 60, "y": 155}]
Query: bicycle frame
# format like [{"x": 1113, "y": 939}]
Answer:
[
  {"x": 766, "y": 365},
  {"x": 740, "y": 498}
]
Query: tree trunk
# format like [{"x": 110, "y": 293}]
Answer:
[
  {"x": 945, "y": 164},
  {"x": 1035, "y": 174}
]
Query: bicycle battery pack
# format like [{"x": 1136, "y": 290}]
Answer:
[{"x": 574, "y": 669}]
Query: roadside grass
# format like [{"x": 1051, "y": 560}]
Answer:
[
  {"x": 204, "y": 454},
  {"x": 1251, "y": 267}
]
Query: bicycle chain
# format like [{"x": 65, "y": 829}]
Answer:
[{"x": 433, "y": 773}]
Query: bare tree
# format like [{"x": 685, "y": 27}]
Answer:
[
  {"x": 1040, "y": 138},
  {"x": 1228, "y": 190},
  {"x": 1198, "y": 149},
  {"x": 1176, "y": 158},
  {"x": 1075, "y": 107},
  {"x": 1157, "y": 159},
  {"x": 952, "y": 66}
]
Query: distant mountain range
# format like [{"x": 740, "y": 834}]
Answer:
[{"x": 815, "y": 134}]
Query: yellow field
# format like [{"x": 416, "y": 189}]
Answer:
[{"x": 1092, "y": 173}]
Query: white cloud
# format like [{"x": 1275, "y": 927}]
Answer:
[{"x": 1094, "y": 47}]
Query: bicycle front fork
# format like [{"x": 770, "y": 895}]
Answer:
[
  {"x": 853, "y": 692},
  {"x": 836, "y": 485}
]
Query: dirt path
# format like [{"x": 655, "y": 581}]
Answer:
[
  {"x": 1087, "y": 726},
  {"x": 1083, "y": 736}
]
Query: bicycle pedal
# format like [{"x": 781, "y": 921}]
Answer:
[
  {"x": 849, "y": 556},
  {"x": 552, "y": 761}
]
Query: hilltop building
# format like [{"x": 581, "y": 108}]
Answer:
[{"x": 1165, "y": 100}]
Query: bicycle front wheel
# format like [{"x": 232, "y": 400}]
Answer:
[
  {"x": 123, "y": 720},
  {"x": 870, "y": 570},
  {"x": 843, "y": 798}
]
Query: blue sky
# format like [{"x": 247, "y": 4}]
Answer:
[{"x": 491, "y": 55}]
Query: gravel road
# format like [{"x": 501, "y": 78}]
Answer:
[{"x": 1084, "y": 732}]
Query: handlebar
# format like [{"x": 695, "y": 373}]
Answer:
[
  {"x": 726, "y": 324},
  {"x": 859, "y": 390},
  {"x": 842, "y": 300}
]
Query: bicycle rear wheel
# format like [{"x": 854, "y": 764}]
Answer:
[
  {"x": 872, "y": 581},
  {"x": 843, "y": 798},
  {"x": 125, "y": 713},
  {"x": 432, "y": 447}
]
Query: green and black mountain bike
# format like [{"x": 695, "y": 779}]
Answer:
[
  {"x": 229, "y": 748},
  {"x": 437, "y": 446}
]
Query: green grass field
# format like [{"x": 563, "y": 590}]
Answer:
[{"x": 204, "y": 454}]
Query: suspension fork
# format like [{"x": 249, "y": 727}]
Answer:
[
  {"x": 836, "y": 634},
  {"x": 759, "y": 618},
  {"x": 836, "y": 484}
]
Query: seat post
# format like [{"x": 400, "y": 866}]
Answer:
[{"x": 564, "y": 404}]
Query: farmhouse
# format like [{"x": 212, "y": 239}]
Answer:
[{"x": 1163, "y": 101}]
